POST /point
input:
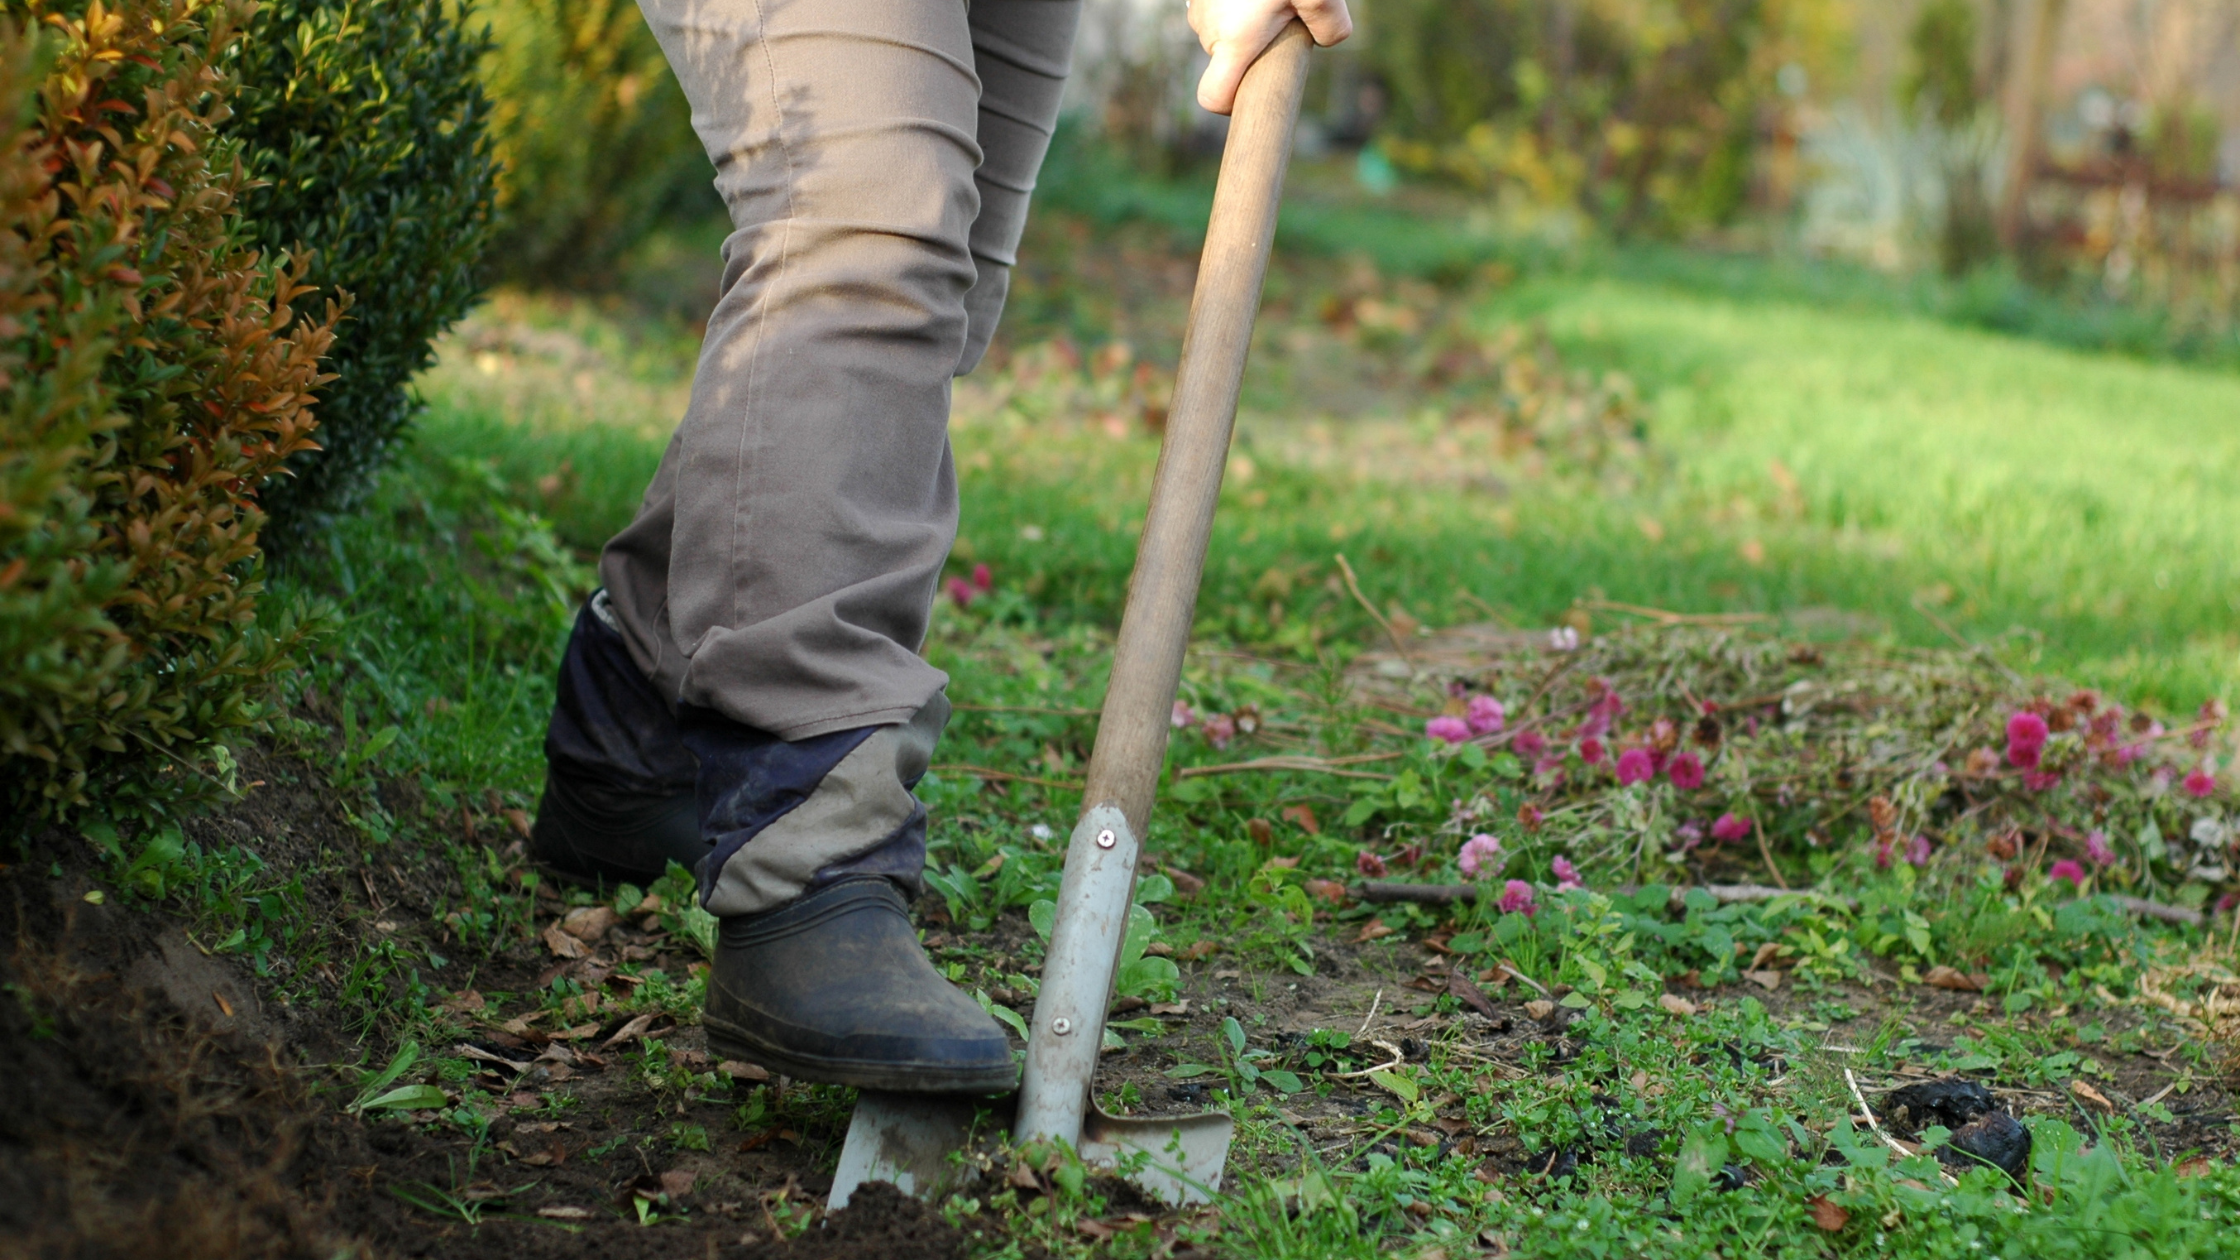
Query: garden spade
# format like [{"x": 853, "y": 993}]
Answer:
[{"x": 906, "y": 1139}]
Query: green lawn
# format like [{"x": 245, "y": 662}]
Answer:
[{"x": 1832, "y": 466}]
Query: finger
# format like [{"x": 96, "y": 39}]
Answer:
[
  {"x": 1217, "y": 87},
  {"x": 1327, "y": 20}
]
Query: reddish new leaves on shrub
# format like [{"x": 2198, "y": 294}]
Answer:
[{"x": 155, "y": 377}]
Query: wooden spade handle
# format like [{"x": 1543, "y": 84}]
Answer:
[
  {"x": 1163, "y": 593},
  {"x": 1132, "y": 732}
]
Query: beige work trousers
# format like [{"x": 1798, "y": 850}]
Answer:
[{"x": 876, "y": 157}]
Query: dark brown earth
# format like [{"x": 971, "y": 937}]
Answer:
[{"x": 158, "y": 1100}]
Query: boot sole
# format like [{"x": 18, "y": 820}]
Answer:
[{"x": 730, "y": 1041}]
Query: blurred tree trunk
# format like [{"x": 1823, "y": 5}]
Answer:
[{"x": 2038, "y": 33}]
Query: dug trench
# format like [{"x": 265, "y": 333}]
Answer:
[{"x": 165, "y": 1097}]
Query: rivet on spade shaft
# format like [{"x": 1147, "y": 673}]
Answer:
[
  {"x": 1105, "y": 839},
  {"x": 1061, "y": 1025}
]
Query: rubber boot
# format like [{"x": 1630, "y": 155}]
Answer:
[{"x": 834, "y": 987}]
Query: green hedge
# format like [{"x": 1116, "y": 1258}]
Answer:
[
  {"x": 153, "y": 377},
  {"x": 367, "y": 125}
]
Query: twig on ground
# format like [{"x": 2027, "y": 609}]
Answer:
[
  {"x": 1371, "y": 609},
  {"x": 2157, "y": 910},
  {"x": 1666, "y": 617},
  {"x": 1004, "y": 776},
  {"x": 1369, "y": 1019},
  {"x": 1386, "y": 1046},
  {"x": 1868, "y": 1113},
  {"x": 1315, "y": 765},
  {"x": 1535, "y": 985},
  {"x": 1766, "y": 851}
]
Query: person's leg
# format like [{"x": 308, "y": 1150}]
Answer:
[{"x": 777, "y": 580}]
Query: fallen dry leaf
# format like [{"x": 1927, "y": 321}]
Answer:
[
  {"x": 1469, "y": 994},
  {"x": 1184, "y": 882},
  {"x": 589, "y": 923},
  {"x": 677, "y": 1183},
  {"x": 1329, "y": 890},
  {"x": 1766, "y": 952},
  {"x": 1768, "y": 980},
  {"x": 2085, "y": 1093},
  {"x": 1676, "y": 1004},
  {"x": 1943, "y": 977},
  {"x": 1304, "y": 816},
  {"x": 563, "y": 945},
  {"x": 1372, "y": 930},
  {"x": 631, "y": 1031},
  {"x": 1827, "y": 1214},
  {"x": 1197, "y": 950},
  {"x": 738, "y": 1071},
  {"x": 518, "y": 820},
  {"x": 1171, "y": 1008},
  {"x": 1540, "y": 1008},
  {"x": 562, "y": 1212}
]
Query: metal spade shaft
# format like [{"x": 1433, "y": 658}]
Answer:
[{"x": 1093, "y": 898}]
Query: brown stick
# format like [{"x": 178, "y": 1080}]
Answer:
[
  {"x": 1163, "y": 592},
  {"x": 1379, "y": 891},
  {"x": 1371, "y": 609},
  {"x": 2156, "y": 910},
  {"x": 1312, "y": 765}
]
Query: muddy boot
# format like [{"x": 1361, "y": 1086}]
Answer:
[
  {"x": 618, "y": 802},
  {"x": 834, "y": 987}
]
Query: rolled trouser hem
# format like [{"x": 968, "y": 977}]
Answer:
[{"x": 786, "y": 817}]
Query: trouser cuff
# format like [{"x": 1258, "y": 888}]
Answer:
[{"x": 787, "y": 817}]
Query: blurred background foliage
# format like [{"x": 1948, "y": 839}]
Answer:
[{"x": 594, "y": 138}]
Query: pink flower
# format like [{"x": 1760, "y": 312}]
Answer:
[
  {"x": 2227, "y": 902},
  {"x": 1484, "y": 715},
  {"x": 1883, "y": 849},
  {"x": 1369, "y": 864},
  {"x": 1917, "y": 851},
  {"x": 1634, "y": 766},
  {"x": 2068, "y": 870},
  {"x": 2097, "y": 850},
  {"x": 1686, "y": 771},
  {"x": 1730, "y": 828},
  {"x": 1689, "y": 834},
  {"x": 2026, "y": 740},
  {"x": 1567, "y": 875},
  {"x": 2201, "y": 782},
  {"x": 1183, "y": 718},
  {"x": 1219, "y": 730},
  {"x": 1529, "y": 744},
  {"x": 982, "y": 580},
  {"x": 1447, "y": 730},
  {"x": 1517, "y": 897},
  {"x": 1529, "y": 816},
  {"x": 1591, "y": 751},
  {"x": 2040, "y": 780},
  {"x": 961, "y": 592},
  {"x": 1481, "y": 855}
]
